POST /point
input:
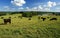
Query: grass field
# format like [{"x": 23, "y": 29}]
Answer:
[{"x": 34, "y": 28}]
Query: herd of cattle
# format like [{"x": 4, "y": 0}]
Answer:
[
  {"x": 46, "y": 18},
  {"x": 43, "y": 19}
]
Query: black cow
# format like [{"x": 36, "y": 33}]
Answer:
[
  {"x": 29, "y": 18},
  {"x": 43, "y": 18},
  {"x": 53, "y": 19},
  {"x": 7, "y": 21}
]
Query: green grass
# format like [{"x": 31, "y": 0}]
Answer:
[{"x": 35, "y": 28}]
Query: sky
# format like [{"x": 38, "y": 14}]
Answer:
[{"x": 30, "y": 5}]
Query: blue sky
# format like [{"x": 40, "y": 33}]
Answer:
[{"x": 30, "y": 5}]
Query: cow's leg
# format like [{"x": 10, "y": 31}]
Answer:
[
  {"x": 10, "y": 22},
  {"x": 43, "y": 19},
  {"x": 5, "y": 22}
]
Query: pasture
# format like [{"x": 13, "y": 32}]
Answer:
[{"x": 34, "y": 28}]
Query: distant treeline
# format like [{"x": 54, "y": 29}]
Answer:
[{"x": 28, "y": 14}]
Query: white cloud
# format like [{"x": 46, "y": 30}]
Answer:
[
  {"x": 18, "y": 2},
  {"x": 54, "y": 4},
  {"x": 27, "y": 8},
  {"x": 6, "y": 7},
  {"x": 58, "y": 8},
  {"x": 34, "y": 8},
  {"x": 21, "y": 8},
  {"x": 37, "y": 8},
  {"x": 44, "y": 5},
  {"x": 58, "y": 4},
  {"x": 40, "y": 7},
  {"x": 47, "y": 9},
  {"x": 51, "y": 4}
]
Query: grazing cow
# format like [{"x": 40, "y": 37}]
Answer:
[
  {"x": 29, "y": 18},
  {"x": 43, "y": 18},
  {"x": 53, "y": 19},
  {"x": 7, "y": 21},
  {"x": 2, "y": 17}
]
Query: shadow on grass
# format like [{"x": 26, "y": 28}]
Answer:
[{"x": 2, "y": 24}]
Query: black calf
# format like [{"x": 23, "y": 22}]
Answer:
[
  {"x": 43, "y": 18},
  {"x": 53, "y": 19},
  {"x": 7, "y": 20}
]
